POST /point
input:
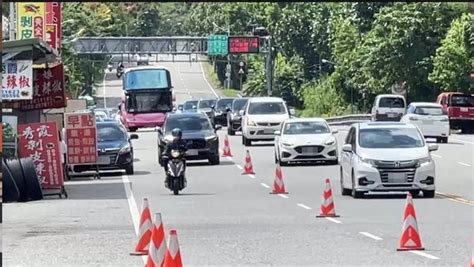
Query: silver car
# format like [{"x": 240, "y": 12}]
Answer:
[{"x": 386, "y": 156}]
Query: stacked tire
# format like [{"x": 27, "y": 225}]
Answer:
[{"x": 21, "y": 181}]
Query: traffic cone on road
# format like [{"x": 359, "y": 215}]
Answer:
[
  {"x": 227, "y": 152},
  {"x": 410, "y": 238},
  {"x": 328, "y": 209},
  {"x": 173, "y": 256},
  {"x": 157, "y": 249},
  {"x": 144, "y": 232},
  {"x": 278, "y": 185},
  {"x": 248, "y": 168}
]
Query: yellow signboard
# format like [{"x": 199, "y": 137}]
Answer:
[{"x": 31, "y": 20}]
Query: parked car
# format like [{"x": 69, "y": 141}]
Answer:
[
  {"x": 222, "y": 105},
  {"x": 234, "y": 118},
  {"x": 386, "y": 156},
  {"x": 430, "y": 119},
  {"x": 460, "y": 110},
  {"x": 201, "y": 138},
  {"x": 190, "y": 106},
  {"x": 388, "y": 107},
  {"x": 207, "y": 106},
  {"x": 114, "y": 146},
  {"x": 262, "y": 117},
  {"x": 305, "y": 139}
]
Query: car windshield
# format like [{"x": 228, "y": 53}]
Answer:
[
  {"x": 266, "y": 108},
  {"x": 146, "y": 79},
  {"x": 239, "y": 104},
  {"x": 149, "y": 102},
  {"x": 462, "y": 101},
  {"x": 206, "y": 103},
  {"x": 222, "y": 104},
  {"x": 433, "y": 111},
  {"x": 391, "y": 102},
  {"x": 110, "y": 133},
  {"x": 189, "y": 105},
  {"x": 390, "y": 138},
  {"x": 307, "y": 127},
  {"x": 187, "y": 124}
]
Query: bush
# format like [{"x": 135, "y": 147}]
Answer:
[{"x": 322, "y": 98}]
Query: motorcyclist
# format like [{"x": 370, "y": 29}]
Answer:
[{"x": 176, "y": 144}]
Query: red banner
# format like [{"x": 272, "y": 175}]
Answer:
[
  {"x": 40, "y": 141},
  {"x": 81, "y": 138},
  {"x": 48, "y": 90},
  {"x": 53, "y": 24}
]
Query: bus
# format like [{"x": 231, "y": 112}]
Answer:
[{"x": 146, "y": 98}]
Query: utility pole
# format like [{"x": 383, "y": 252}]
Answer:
[
  {"x": 269, "y": 66},
  {"x": 228, "y": 68},
  {"x": 12, "y": 18}
]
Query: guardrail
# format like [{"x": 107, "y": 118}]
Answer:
[{"x": 348, "y": 119}]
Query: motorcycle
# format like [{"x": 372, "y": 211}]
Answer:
[{"x": 176, "y": 171}]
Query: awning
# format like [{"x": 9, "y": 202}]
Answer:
[{"x": 36, "y": 49}]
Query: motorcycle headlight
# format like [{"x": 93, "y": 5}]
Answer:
[
  {"x": 174, "y": 153},
  {"x": 330, "y": 141},
  {"x": 211, "y": 137},
  {"x": 125, "y": 149},
  {"x": 424, "y": 161},
  {"x": 370, "y": 162},
  {"x": 251, "y": 123}
]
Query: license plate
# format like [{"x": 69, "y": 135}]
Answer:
[
  {"x": 394, "y": 177},
  {"x": 268, "y": 131},
  {"x": 309, "y": 150},
  {"x": 103, "y": 160},
  {"x": 464, "y": 109},
  {"x": 192, "y": 152},
  {"x": 391, "y": 115}
]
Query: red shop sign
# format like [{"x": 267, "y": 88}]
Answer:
[
  {"x": 40, "y": 141},
  {"x": 81, "y": 138}
]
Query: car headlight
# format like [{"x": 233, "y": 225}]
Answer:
[
  {"x": 125, "y": 149},
  {"x": 287, "y": 144},
  {"x": 251, "y": 123},
  {"x": 211, "y": 137},
  {"x": 330, "y": 141},
  {"x": 424, "y": 161},
  {"x": 174, "y": 153},
  {"x": 370, "y": 162}
]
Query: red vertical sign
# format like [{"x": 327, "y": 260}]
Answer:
[
  {"x": 53, "y": 24},
  {"x": 40, "y": 141},
  {"x": 81, "y": 138}
]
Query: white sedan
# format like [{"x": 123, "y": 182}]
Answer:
[
  {"x": 430, "y": 118},
  {"x": 305, "y": 139}
]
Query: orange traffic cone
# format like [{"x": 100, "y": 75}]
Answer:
[
  {"x": 328, "y": 208},
  {"x": 156, "y": 252},
  {"x": 227, "y": 152},
  {"x": 410, "y": 238},
  {"x": 173, "y": 257},
  {"x": 144, "y": 232},
  {"x": 248, "y": 168},
  {"x": 278, "y": 185}
]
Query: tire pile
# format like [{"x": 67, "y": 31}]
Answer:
[{"x": 20, "y": 181}]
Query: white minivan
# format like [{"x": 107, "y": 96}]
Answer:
[
  {"x": 262, "y": 117},
  {"x": 388, "y": 107}
]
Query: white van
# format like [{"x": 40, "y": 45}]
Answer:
[
  {"x": 262, "y": 117},
  {"x": 388, "y": 107}
]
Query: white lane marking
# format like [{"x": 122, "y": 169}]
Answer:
[
  {"x": 436, "y": 155},
  {"x": 265, "y": 185},
  {"x": 332, "y": 220},
  {"x": 370, "y": 235},
  {"x": 283, "y": 196},
  {"x": 133, "y": 207},
  {"x": 252, "y": 176},
  {"x": 464, "y": 164},
  {"x": 424, "y": 254},
  {"x": 462, "y": 141},
  {"x": 303, "y": 206},
  {"x": 238, "y": 166},
  {"x": 204, "y": 77}
]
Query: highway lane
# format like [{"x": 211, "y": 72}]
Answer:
[{"x": 224, "y": 217}]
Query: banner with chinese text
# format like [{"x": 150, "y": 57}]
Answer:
[
  {"x": 53, "y": 28},
  {"x": 40, "y": 141},
  {"x": 81, "y": 138},
  {"x": 31, "y": 20},
  {"x": 17, "y": 80},
  {"x": 48, "y": 90}
]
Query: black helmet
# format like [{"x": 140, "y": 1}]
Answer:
[{"x": 177, "y": 133}]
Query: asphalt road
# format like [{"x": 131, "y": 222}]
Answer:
[{"x": 224, "y": 218}]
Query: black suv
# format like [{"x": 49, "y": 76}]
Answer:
[
  {"x": 200, "y": 137},
  {"x": 222, "y": 105}
]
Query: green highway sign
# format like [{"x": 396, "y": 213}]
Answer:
[{"x": 217, "y": 45}]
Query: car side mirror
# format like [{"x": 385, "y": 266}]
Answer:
[
  {"x": 217, "y": 127},
  {"x": 277, "y": 132},
  {"x": 158, "y": 130},
  {"x": 213, "y": 106},
  {"x": 292, "y": 112},
  {"x": 227, "y": 109},
  {"x": 134, "y": 136},
  {"x": 334, "y": 131},
  {"x": 347, "y": 148},
  {"x": 241, "y": 112},
  {"x": 432, "y": 147}
]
